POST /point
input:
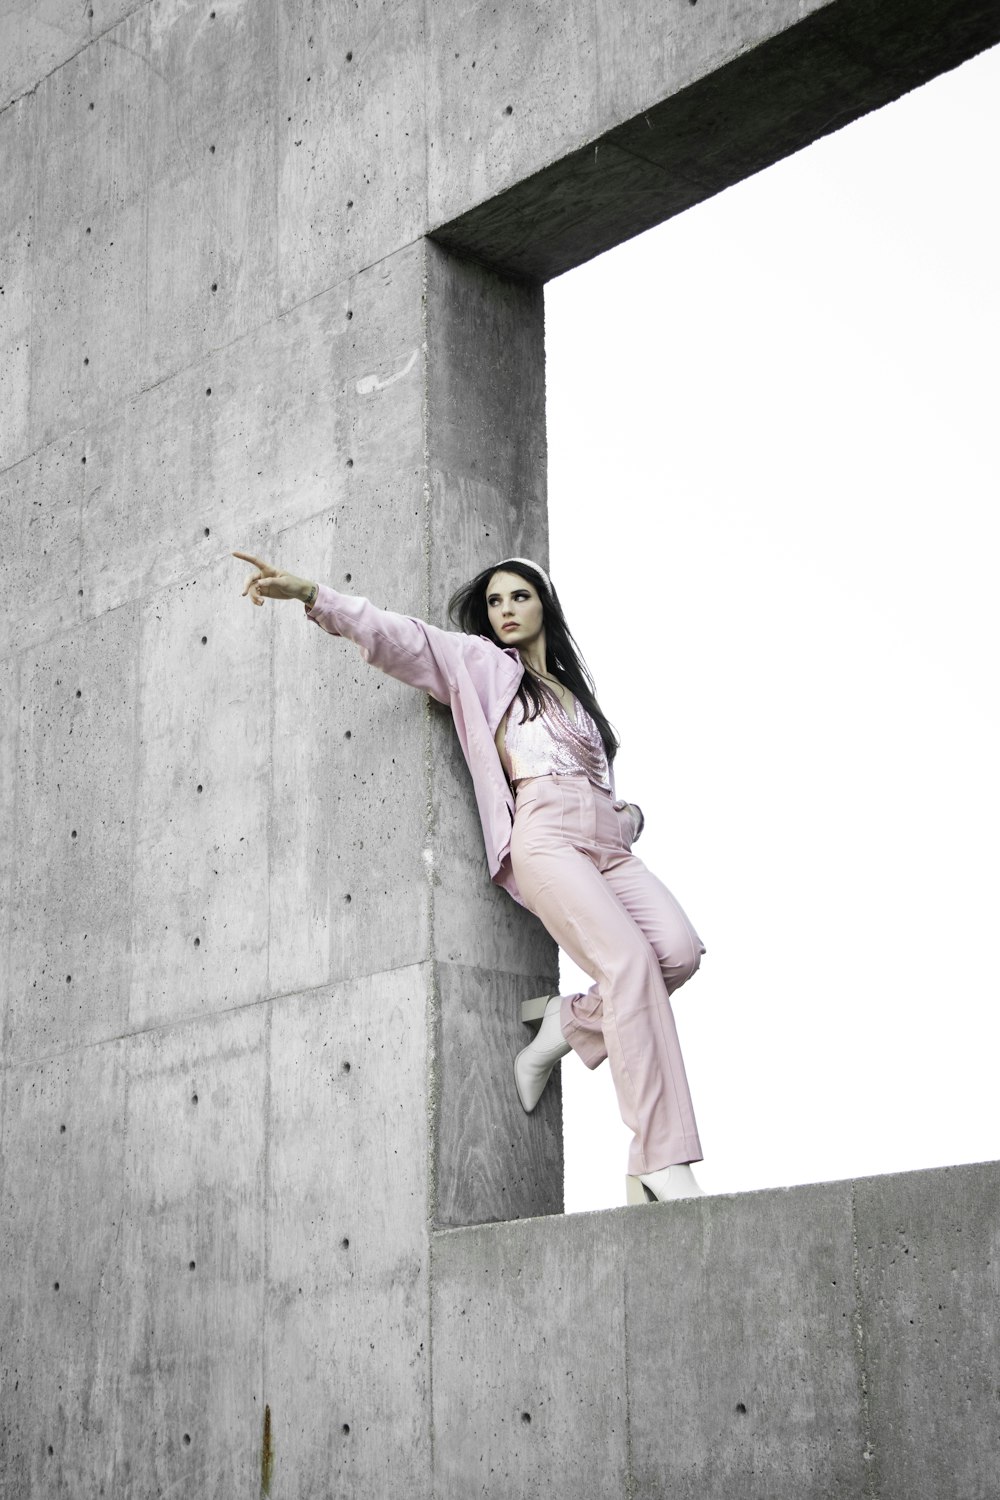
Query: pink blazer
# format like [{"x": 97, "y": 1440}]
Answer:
[{"x": 476, "y": 678}]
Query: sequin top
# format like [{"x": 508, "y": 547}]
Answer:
[{"x": 551, "y": 744}]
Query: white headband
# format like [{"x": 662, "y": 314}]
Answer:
[{"x": 529, "y": 563}]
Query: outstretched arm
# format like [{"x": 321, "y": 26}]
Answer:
[{"x": 401, "y": 645}]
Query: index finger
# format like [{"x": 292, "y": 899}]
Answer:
[{"x": 246, "y": 557}]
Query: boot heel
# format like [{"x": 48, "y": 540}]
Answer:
[
  {"x": 533, "y": 1010},
  {"x": 636, "y": 1191}
]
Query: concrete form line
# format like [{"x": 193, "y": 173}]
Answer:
[
  {"x": 629, "y": 1475},
  {"x": 8, "y": 934},
  {"x": 94, "y": 37},
  {"x": 122, "y": 1210},
  {"x": 207, "y": 353},
  {"x": 433, "y": 1099},
  {"x": 138, "y": 636},
  {"x": 433, "y": 1000},
  {"x": 868, "y": 1455},
  {"x": 10, "y": 1065},
  {"x": 265, "y": 1458},
  {"x": 81, "y": 623}
]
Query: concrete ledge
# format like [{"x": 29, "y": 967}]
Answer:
[{"x": 801, "y": 1342}]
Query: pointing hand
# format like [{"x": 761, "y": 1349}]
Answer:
[{"x": 272, "y": 583}]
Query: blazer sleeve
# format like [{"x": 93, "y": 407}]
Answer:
[{"x": 404, "y": 647}]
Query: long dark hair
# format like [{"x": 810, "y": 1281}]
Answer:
[{"x": 467, "y": 607}]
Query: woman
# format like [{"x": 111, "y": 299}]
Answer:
[{"x": 540, "y": 751}]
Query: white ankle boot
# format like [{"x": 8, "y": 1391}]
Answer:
[
  {"x": 534, "y": 1063},
  {"x": 663, "y": 1186}
]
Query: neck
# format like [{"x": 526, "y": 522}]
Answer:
[{"x": 533, "y": 656}]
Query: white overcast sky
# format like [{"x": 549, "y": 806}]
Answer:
[{"x": 773, "y": 497}]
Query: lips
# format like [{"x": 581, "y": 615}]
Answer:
[{"x": 512, "y": 625}]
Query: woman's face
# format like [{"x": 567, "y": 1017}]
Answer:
[{"x": 515, "y": 610}]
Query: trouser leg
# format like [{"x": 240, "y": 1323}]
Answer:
[
  {"x": 584, "y": 914},
  {"x": 668, "y": 930}
]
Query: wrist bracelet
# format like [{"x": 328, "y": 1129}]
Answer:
[{"x": 314, "y": 594}]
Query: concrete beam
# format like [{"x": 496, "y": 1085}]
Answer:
[{"x": 702, "y": 98}]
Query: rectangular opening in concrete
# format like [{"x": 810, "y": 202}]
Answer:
[{"x": 771, "y": 494}]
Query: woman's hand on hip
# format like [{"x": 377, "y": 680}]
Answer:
[{"x": 271, "y": 583}]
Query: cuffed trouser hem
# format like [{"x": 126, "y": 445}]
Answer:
[{"x": 684, "y": 1152}]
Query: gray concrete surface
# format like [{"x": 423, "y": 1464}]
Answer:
[
  {"x": 743, "y": 1378},
  {"x": 929, "y": 1293},
  {"x": 806, "y": 1343},
  {"x": 614, "y": 153},
  {"x": 530, "y": 1386},
  {"x": 257, "y": 1000}
]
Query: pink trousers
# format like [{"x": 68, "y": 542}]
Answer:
[{"x": 572, "y": 859}]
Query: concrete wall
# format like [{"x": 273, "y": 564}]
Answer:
[
  {"x": 795, "y": 1344},
  {"x": 271, "y": 280}
]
